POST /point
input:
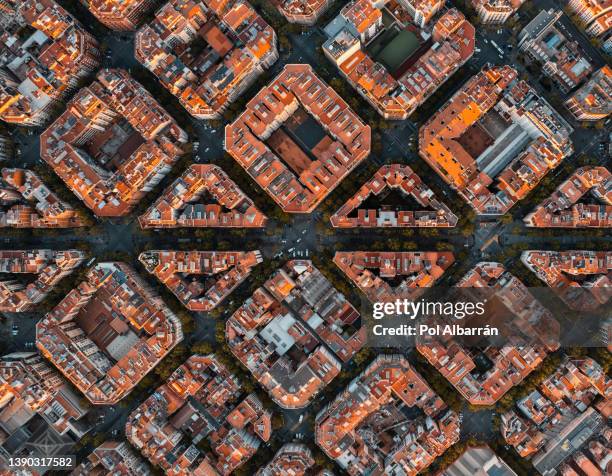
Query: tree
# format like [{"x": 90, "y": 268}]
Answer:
[
  {"x": 203, "y": 348},
  {"x": 277, "y": 421},
  {"x": 173, "y": 360}
]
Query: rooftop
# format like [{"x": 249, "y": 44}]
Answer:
[
  {"x": 509, "y": 365},
  {"x": 478, "y": 461},
  {"x": 304, "y": 12},
  {"x": 267, "y": 139},
  {"x": 496, "y": 11},
  {"x": 563, "y": 419},
  {"x": 204, "y": 196},
  {"x": 292, "y": 459},
  {"x": 199, "y": 407},
  {"x": 222, "y": 271},
  {"x": 596, "y": 15},
  {"x": 495, "y": 131},
  {"x": 120, "y": 14},
  {"x": 388, "y": 178},
  {"x": 582, "y": 279},
  {"x": 428, "y": 57},
  {"x": 294, "y": 332},
  {"x": 29, "y": 203},
  {"x": 565, "y": 209},
  {"x": 387, "y": 421},
  {"x": 49, "y": 268},
  {"x": 42, "y": 69},
  {"x": 113, "y": 144},
  {"x": 206, "y": 52},
  {"x": 593, "y": 101},
  {"x": 29, "y": 387},
  {"x": 112, "y": 457},
  {"x": 561, "y": 57},
  {"x": 387, "y": 276},
  {"x": 108, "y": 333}
]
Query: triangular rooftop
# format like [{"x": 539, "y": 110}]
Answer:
[
  {"x": 29, "y": 203},
  {"x": 178, "y": 271},
  {"x": 565, "y": 209},
  {"x": 582, "y": 279},
  {"x": 48, "y": 266},
  {"x": 179, "y": 206},
  {"x": 373, "y": 271},
  {"x": 403, "y": 179}
]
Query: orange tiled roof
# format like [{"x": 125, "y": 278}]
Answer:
[
  {"x": 120, "y": 14},
  {"x": 309, "y": 179},
  {"x": 371, "y": 270},
  {"x": 28, "y": 203},
  {"x": 180, "y": 206},
  {"x": 388, "y": 384},
  {"x": 207, "y": 83},
  {"x": 563, "y": 207},
  {"x": 267, "y": 334},
  {"x": 43, "y": 72},
  {"x": 108, "y": 333},
  {"x": 397, "y": 96},
  {"x": 293, "y": 459},
  {"x": 593, "y": 101},
  {"x": 396, "y": 177},
  {"x": 583, "y": 279},
  {"x": 50, "y": 267},
  {"x": 510, "y": 364},
  {"x": 199, "y": 399},
  {"x": 118, "y": 122},
  {"x": 177, "y": 270},
  {"x": 475, "y": 132},
  {"x": 305, "y": 12}
]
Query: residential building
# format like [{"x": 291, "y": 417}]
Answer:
[
  {"x": 122, "y": 15},
  {"x": 387, "y": 421},
  {"x": 484, "y": 375},
  {"x": 593, "y": 101},
  {"x": 561, "y": 57},
  {"x": 49, "y": 267},
  {"x": 397, "y": 65},
  {"x": 108, "y": 333},
  {"x": 388, "y": 179},
  {"x": 204, "y": 196},
  {"x": 195, "y": 423},
  {"x": 595, "y": 14},
  {"x": 206, "y": 52},
  {"x": 303, "y": 12},
  {"x": 495, "y": 131},
  {"x": 564, "y": 208},
  {"x": 292, "y": 459},
  {"x": 39, "y": 414},
  {"x": 582, "y": 279},
  {"x": 421, "y": 11},
  {"x": 294, "y": 332},
  {"x": 113, "y": 144},
  {"x": 114, "y": 458},
  {"x": 561, "y": 426},
  {"x": 496, "y": 12},
  {"x": 386, "y": 276},
  {"x": 223, "y": 271},
  {"x": 40, "y": 69},
  {"x": 298, "y": 139},
  {"x": 28, "y": 203}
]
